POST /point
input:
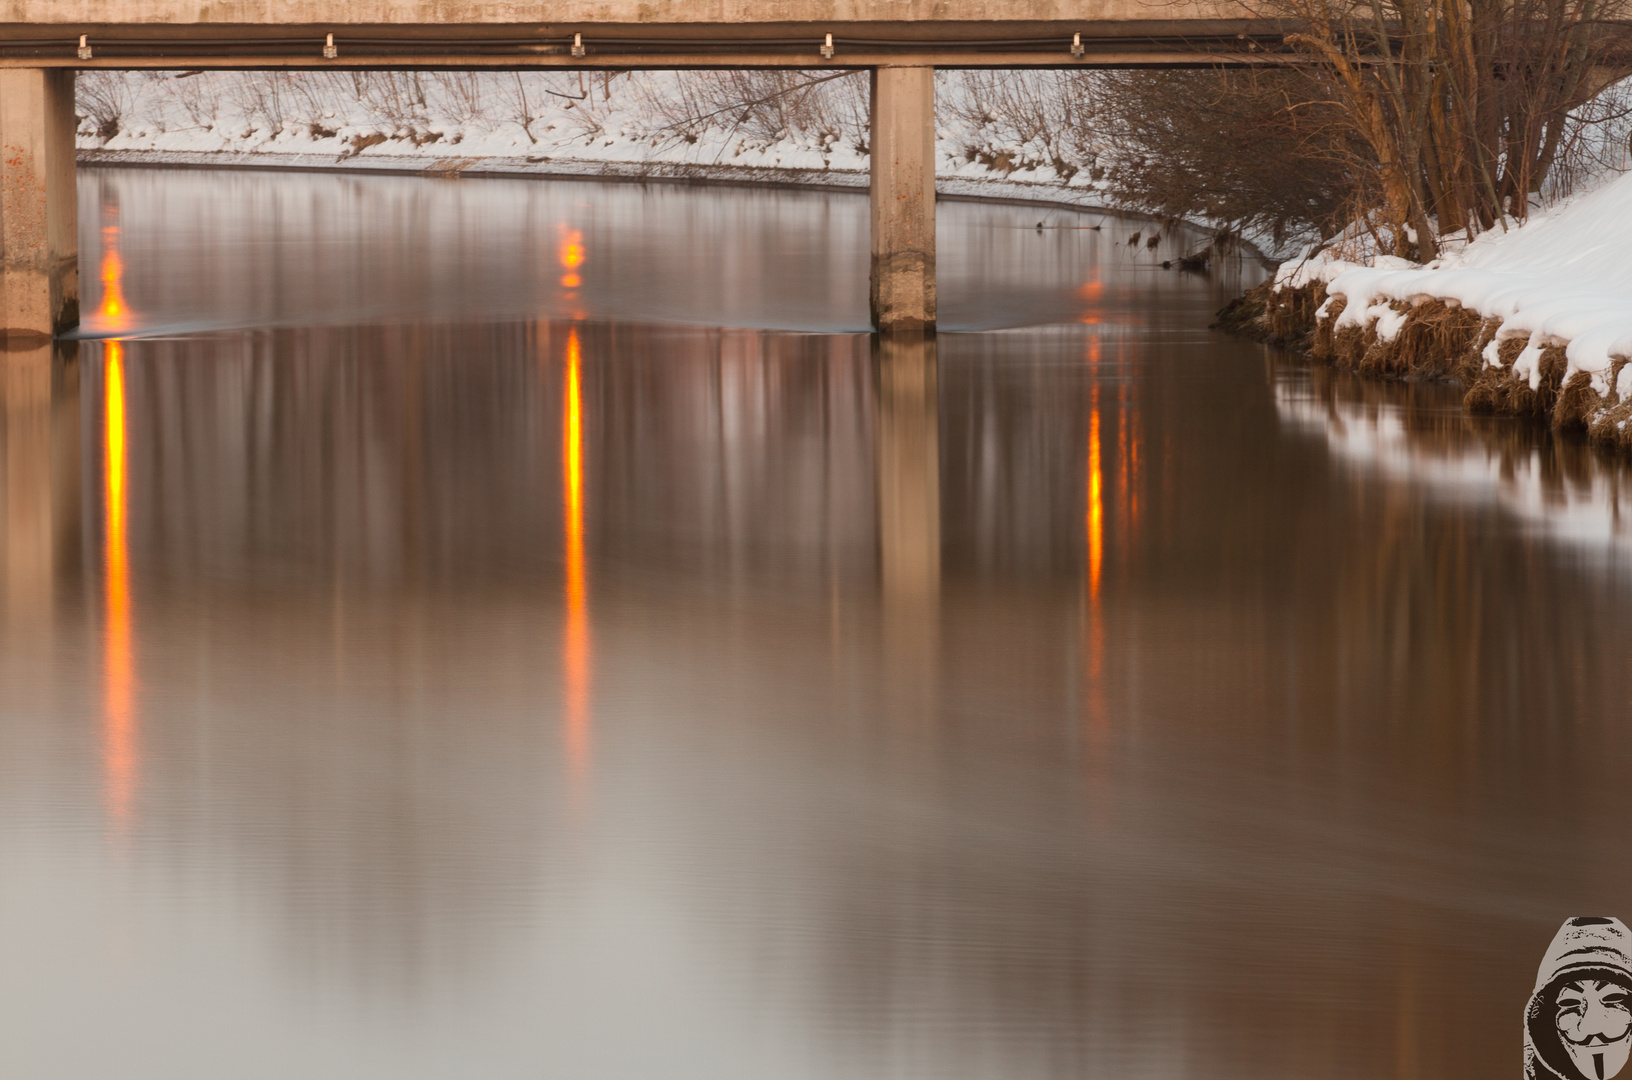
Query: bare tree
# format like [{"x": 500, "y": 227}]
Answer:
[
  {"x": 197, "y": 94},
  {"x": 528, "y": 97},
  {"x": 264, "y": 97},
  {"x": 764, "y": 107},
  {"x": 1018, "y": 120},
  {"x": 1466, "y": 104},
  {"x": 396, "y": 96},
  {"x": 106, "y": 98},
  {"x": 1259, "y": 150},
  {"x": 461, "y": 93}
]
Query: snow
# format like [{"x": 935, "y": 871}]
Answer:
[
  {"x": 1561, "y": 277},
  {"x": 637, "y": 119}
]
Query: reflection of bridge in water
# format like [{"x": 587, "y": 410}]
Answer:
[
  {"x": 901, "y": 42},
  {"x": 754, "y": 480}
]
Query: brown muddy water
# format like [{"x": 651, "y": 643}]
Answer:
[{"x": 433, "y": 647}]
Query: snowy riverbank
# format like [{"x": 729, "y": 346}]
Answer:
[
  {"x": 789, "y": 128},
  {"x": 1534, "y": 320}
]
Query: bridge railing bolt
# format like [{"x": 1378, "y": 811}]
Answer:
[
  {"x": 578, "y": 45},
  {"x": 329, "y": 51},
  {"x": 827, "y": 48},
  {"x": 1077, "y": 48},
  {"x": 84, "y": 48}
]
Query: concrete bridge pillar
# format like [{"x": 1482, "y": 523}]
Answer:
[
  {"x": 903, "y": 194},
  {"x": 39, "y": 243}
]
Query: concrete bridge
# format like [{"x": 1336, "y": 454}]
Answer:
[{"x": 43, "y": 42}]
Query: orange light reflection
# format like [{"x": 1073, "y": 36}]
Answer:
[
  {"x": 572, "y": 251},
  {"x": 1095, "y": 532},
  {"x": 1124, "y": 479},
  {"x": 119, "y": 668},
  {"x": 572, "y": 256},
  {"x": 1091, "y": 292},
  {"x": 113, "y": 312},
  {"x": 1096, "y": 500},
  {"x": 575, "y": 658}
]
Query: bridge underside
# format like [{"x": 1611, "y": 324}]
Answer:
[{"x": 1145, "y": 42}]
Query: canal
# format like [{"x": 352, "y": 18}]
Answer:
[{"x": 517, "y": 629}]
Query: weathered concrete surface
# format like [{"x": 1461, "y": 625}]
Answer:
[
  {"x": 903, "y": 198},
  {"x": 39, "y": 244},
  {"x": 923, "y": 14}
]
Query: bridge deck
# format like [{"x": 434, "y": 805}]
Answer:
[{"x": 631, "y": 33}]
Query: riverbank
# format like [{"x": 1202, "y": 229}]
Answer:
[
  {"x": 649, "y": 126},
  {"x": 1532, "y": 321}
]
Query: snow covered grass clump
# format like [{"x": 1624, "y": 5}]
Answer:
[{"x": 1535, "y": 319}]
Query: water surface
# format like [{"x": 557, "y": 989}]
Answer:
[{"x": 513, "y": 629}]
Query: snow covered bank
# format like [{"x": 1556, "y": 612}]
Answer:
[
  {"x": 1535, "y": 320},
  {"x": 802, "y": 129},
  {"x": 797, "y": 129}
]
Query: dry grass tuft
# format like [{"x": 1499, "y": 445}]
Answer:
[
  {"x": 1612, "y": 427},
  {"x": 1349, "y": 346},
  {"x": 1488, "y": 394},
  {"x": 1472, "y": 361},
  {"x": 1248, "y": 314},
  {"x": 1291, "y": 312},
  {"x": 1321, "y": 345},
  {"x": 1576, "y": 403},
  {"x": 1434, "y": 339},
  {"x": 1435, "y": 342}
]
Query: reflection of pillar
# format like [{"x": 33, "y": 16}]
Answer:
[
  {"x": 902, "y": 141},
  {"x": 907, "y": 442},
  {"x": 909, "y": 468},
  {"x": 40, "y": 447},
  {"x": 39, "y": 245}
]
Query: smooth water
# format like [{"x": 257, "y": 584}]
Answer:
[{"x": 433, "y": 647}]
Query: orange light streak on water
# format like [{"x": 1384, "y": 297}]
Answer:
[
  {"x": 575, "y": 659},
  {"x": 573, "y": 255},
  {"x": 1096, "y": 500},
  {"x": 1124, "y": 478},
  {"x": 1095, "y": 532},
  {"x": 119, "y": 758},
  {"x": 1133, "y": 472},
  {"x": 113, "y": 313}
]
